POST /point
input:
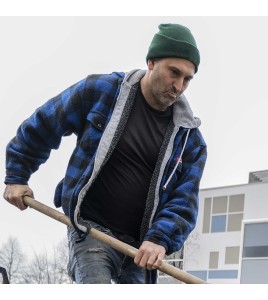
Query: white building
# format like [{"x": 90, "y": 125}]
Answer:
[{"x": 230, "y": 241}]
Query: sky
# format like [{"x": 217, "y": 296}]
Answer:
[{"x": 41, "y": 56}]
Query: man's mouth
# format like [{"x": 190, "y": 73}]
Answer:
[{"x": 172, "y": 95}]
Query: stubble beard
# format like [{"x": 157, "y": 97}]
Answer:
[
  {"x": 161, "y": 97},
  {"x": 165, "y": 101}
]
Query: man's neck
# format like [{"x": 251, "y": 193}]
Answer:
[{"x": 147, "y": 93}]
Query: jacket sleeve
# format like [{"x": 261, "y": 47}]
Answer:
[
  {"x": 42, "y": 132},
  {"x": 176, "y": 217}
]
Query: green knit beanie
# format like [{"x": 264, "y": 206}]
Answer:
[{"x": 174, "y": 40}]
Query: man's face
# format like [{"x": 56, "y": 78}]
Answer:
[{"x": 169, "y": 78}]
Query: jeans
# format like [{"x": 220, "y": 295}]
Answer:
[{"x": 91, "y": 261}]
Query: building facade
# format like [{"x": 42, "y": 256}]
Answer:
[{"x": 230, "y": 240}]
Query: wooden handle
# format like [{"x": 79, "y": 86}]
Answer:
[{"x": 110, "y": 241}]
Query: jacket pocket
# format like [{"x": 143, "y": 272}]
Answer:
[
  {"x": 93, "y": 131},
  {"x": 97, "y": 120}
]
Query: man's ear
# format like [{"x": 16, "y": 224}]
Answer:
[{"x": 151, "y": 63}]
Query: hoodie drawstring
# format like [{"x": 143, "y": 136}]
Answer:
[{"x": 178, "y": 161}]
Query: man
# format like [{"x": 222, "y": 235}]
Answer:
[{"x": 136, "y": 167}]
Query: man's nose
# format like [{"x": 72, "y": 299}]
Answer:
[{"x": 178, "y": 85}]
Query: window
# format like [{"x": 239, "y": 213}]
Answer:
[
  {"x": 234, "y": 222},
  {"x": 219, "y": 205},
  {"x": 223, "y": 213},
  {"x": 236, "y": 203},
  {"x": 218, "y": 223},
  {"x": 255, "y": 240},
  {"x": 213, "y": 260},
  {"x": 207, "y": 215},
  {"x": 254, "y": 266},
  {"x": 232, "y": 255}
]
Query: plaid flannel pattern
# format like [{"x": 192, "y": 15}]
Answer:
[
  {"x": 176, "y": 213},
  {"x": 85, "y": 109}
]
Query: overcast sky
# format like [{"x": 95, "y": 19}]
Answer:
[{"x": 41, "y": 56}]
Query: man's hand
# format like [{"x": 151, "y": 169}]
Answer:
[
  {"x": 150, "y": 255},
  {"x": 14, "y": 194}
]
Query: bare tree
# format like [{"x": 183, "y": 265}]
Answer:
[
  {"x": 43, "y": 268},
  {"x": 12, "y": 259},
  {"x": 191, "y": 247},
  {"x": 48, "y": 269},
  {"x": 61, "y": 258}
]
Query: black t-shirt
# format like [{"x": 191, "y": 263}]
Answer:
[{"x": 117, "y": 198}]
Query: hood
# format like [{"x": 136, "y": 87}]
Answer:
[{"x": 183, "y": 114}]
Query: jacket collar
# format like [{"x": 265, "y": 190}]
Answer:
[{"x": 182, "y": 112}]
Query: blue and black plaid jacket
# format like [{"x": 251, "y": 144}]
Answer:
[{"x": 96, "y": 110}]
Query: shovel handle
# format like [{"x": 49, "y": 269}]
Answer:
[{"x": 110, "y": 241}]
